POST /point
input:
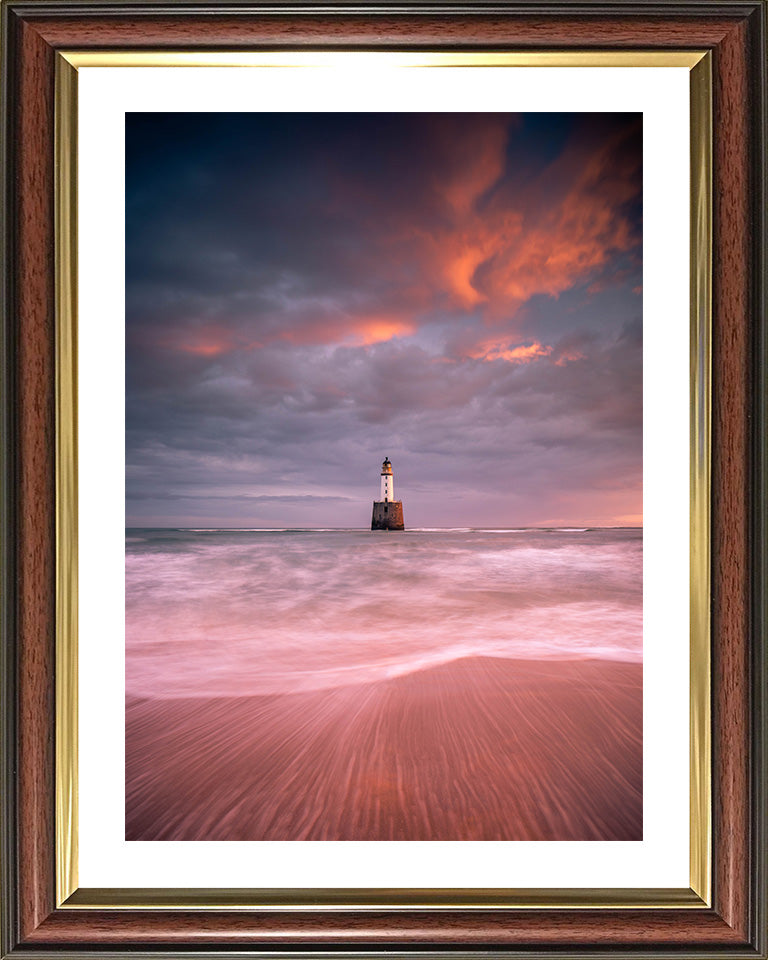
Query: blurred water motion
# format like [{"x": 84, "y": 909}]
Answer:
[
  {"x": 233, "y": 613},
  {"x": 344, "y": 685}
]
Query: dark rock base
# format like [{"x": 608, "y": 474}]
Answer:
[{"x": 387, "y": 515}]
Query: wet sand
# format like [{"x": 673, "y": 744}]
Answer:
[{"x": 477, "y": 749}]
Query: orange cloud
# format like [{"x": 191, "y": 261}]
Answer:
[
  {"x": 338, "y": 328},
  {"x": 214, "y": 341},
  {"x": 380, "y": 330},
  {"x": 459, "y": 272},
  {"x": 533, "y": 242},
  {"x": 482, "y": 238},
  {"x": 204, "y": 349},
  {"x": 568, "y": 356},
  {"x": 524, "y": 353},
  {"x": 206, "y": 341}
]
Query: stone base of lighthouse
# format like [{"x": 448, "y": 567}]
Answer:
[{"x": 387, "y": 515}]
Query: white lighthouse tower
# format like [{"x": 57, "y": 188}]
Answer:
[
  {"x": 387, "y": 512},
  {"x": 387, "y": 482}
]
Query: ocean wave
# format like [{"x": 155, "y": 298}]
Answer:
[
  {"x": 239, "y": 615},
  {"x": 439, "y": 530},
  {"x": 506, "y": 530}
]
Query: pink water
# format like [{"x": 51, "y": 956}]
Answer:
[{"x": 234, "y": 613}]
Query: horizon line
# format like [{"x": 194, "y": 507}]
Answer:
[{"x": 485, "y": 526}]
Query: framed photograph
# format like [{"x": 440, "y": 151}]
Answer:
[{"x": 383, "y": 522}]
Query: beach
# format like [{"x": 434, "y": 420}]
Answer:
[{"x": 478, "y": 748}]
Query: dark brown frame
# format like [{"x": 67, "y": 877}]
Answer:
[{"x": 735, "y": 32}]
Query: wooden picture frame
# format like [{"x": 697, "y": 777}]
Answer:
[{"x": 35, "y": 924}]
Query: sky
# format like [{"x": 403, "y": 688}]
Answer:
[{"x": 309, "y": 293}]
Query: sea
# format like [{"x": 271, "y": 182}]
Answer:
[{"x": 213, "y": 612}]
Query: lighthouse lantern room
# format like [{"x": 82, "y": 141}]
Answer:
[{"x": 387, "y": 512}]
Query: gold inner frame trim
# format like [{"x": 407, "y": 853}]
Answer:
[
  {"x": 382, "y": 899},
  {"x": 361, "y": 59},
  {"x": 65, "y": 226},
  {"x": 700, "y": 480},
  {"x": 68, "y": 893}
]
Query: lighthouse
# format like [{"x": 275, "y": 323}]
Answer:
[{"x": 387, "y": 512}]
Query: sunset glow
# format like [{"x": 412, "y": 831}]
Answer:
[{"x": 452, "y": 289}]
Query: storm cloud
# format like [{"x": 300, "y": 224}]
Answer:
[{"x": 307, "y": 294}]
